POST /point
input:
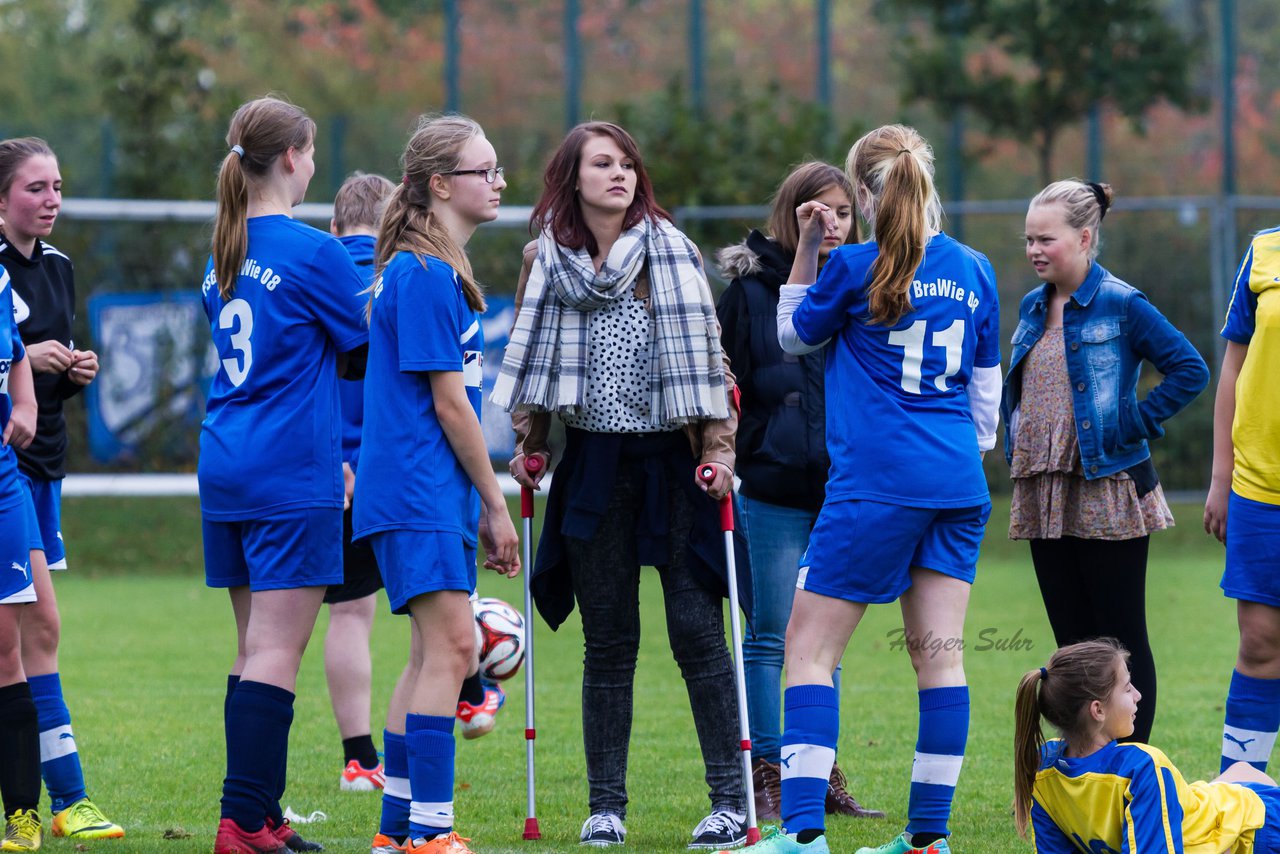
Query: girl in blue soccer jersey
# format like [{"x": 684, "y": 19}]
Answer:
[
  {"x": 911, "y": 324},
  {"x": 1087, "y": 791},
  {"x": 19, "y": 724},
  {"x": 284, "y": 307},
  {"x": 425, "y": 492},
  {"x": 1243, "y": 507},
  {"x": 42, "y": 280},
  {"x": 1085, "y": 493}
]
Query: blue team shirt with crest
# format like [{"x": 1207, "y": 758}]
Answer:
[
  {"x": 899, "y": 426},
  {"x": 409, "y": 477},
  {"x": 271, "y": 438},
  {"x": 11, "y": 352}
]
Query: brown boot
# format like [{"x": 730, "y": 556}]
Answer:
[
  {"x": 766, "y": 779},
  {"x": 840, "y": 802}
]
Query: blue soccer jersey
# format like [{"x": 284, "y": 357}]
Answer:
[
  {"x": 351, "y": 392},
  {"x": 409, "y": 477},
  {"x": 899, "y": 426},
  {"x": 271, "y": 438},
  {"x": 1253, "y": 319},
  {"x": 11, "y": 351}
]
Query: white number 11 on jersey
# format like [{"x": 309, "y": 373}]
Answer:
[{"x": 911, "y": 340}]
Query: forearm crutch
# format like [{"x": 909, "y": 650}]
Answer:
[
  {"x": 532, "y": 465},
  {"x": 707, "y": 474}
]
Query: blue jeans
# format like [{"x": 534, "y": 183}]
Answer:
[{"x": 776, "y": 537}]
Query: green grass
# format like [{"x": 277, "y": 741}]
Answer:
[{"x": 146, "y": 647}]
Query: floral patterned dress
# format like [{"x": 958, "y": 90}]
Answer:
[{"x": 1051, "y": 497}]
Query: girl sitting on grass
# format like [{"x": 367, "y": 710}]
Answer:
[{"x": 1087, "y": 792}]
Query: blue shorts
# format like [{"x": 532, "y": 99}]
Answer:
[
  {"x": 16, "y": 585},
  {"x": 1253, "y": 551},
  {"x": 863, "y": 551},
  {"x": 417, "y": 562},
  {"x": 46, "y": 530},
  {"x": 302, "y": 548},
  {"x": 1266, "y": 839}
]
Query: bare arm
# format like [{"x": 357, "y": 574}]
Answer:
[
  {"x": 21, "y": 428},
  {"x": 1224, "y": 414},
  {"x": 462, "y": 429}
]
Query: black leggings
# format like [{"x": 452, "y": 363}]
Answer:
[{"x": 1098, "y": 588}]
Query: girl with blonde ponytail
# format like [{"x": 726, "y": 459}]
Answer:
[
  {"x": 425, "y": 494},
  {"x": 283, "y": 302},
  {"x": 912, "y": 394},
  {"x": 1087, "y": 791}
]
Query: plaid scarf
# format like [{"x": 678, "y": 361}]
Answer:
[{"x": 545, "y": 366}]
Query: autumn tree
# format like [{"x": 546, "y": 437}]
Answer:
[{"x": 1031, "y": 68}]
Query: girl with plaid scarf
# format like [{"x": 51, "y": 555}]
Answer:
[{"x": 616, "y": 333}]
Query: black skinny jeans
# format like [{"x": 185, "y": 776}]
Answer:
[
  {"x": 606, "y": 584},
  {"x": 1098, "y": 588}
]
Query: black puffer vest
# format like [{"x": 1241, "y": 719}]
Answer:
[{"x": 782, "y": 449}]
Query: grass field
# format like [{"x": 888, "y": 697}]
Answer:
[{"x": 146, "y": 647}]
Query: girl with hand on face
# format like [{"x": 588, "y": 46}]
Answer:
[
  {"x": 1092, "y": 789},
  {"x": 425, "y": 493},
  {"x": 616, "y": 333},
  {"x": 42, "y": 281},
  {"x": 1085, "y": 493},
  {"x": 285, "y": 312},
  {"x": 782, "y": 455},
  {"x": 910, "y": 323}
]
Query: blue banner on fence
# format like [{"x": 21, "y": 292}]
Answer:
[{"x": 157, "y": 362}]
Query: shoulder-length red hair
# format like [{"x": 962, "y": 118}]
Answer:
[{"x": 558, "y": 207}]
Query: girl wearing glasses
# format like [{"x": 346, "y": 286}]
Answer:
[
  {"x": 616, "y": 334},
  {"x": 425, "y": 492},
  {"x": 283, "y": 304}
]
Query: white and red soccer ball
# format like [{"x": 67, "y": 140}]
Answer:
[{"x": 499, "y": 638}]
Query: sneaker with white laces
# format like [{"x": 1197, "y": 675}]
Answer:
[
  {"x": 602, "y": 829},
  {"x": 721, "y": 829},
  {"x": 475, "y": 721}
]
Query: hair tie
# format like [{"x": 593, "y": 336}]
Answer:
[
  {"x": 235, "y": 149},
  {"x": 903, "y": 151},
  {"x": 1044, "y": 673},
  {"x": 1101, "y": 195},
  {"x": 405, "y": 180}
]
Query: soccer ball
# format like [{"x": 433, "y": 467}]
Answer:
[{"x": 499, "y": 638}]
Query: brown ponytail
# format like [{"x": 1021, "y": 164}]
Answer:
[
  {"x": 408, "y": 222},
  {"x": 260, "y": 131},
  {"x": 893, "y": 165},
  {"x": 1060, "y": 692}
]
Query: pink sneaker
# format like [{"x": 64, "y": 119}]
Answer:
[
  {"x": 357, "y": 778},
  {"x": 233, "y": 839},
  {"x": 480, "y": 720}
]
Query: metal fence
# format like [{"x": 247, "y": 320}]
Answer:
[{"x": 1181, "y": 251}]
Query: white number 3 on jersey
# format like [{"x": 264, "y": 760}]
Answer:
[
  {"x": 238, "y": 310},
  {"x": 911, "y": 340}
]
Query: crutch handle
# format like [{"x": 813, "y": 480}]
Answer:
[
  {"x": 532, "y": 465},
  {"x": 707, "y": 474}
]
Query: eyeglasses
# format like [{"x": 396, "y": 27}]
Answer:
[{"x": 490, "y": 175}]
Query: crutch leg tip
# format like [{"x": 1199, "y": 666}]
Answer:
[
  {"x": 531, "y": 830},
  {"x": 753, "y": 835}
]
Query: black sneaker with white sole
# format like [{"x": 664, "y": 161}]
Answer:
[
  {"x": 721, "y": 829},
  {"x": 602, "y": 829}
]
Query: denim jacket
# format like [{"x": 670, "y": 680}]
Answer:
[{"x": 1109, "y": 327}]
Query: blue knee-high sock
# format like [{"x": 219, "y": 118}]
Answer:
[
  {"x": 429, "y": 739},
  {"x": 940, "y": 742},
  {"x": 59, "y": 759},
  {"x": 396, "y": 794},
  {"x": 811, "y": 725},
  {"x": 1253, "y": 718},
  {"x": 258, "y": 720}
]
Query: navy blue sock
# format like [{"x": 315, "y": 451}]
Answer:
[
  {"x": 1252, "y": 720},
  {"x": 258, "y": 721}
]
